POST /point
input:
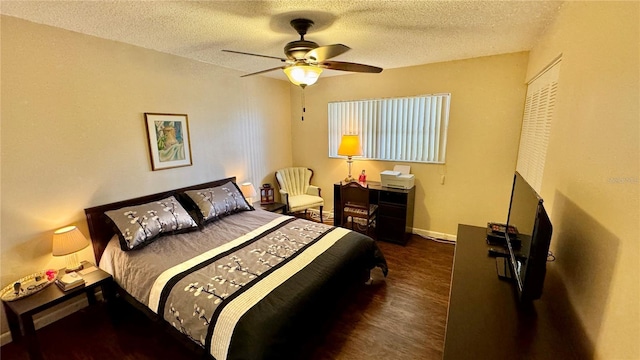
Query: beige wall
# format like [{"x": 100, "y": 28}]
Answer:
[
  {"x": 73, "y": 133},
  {"x": 73, "y": 136},
  {"x": 592, "y": 174},
  {"x": 487, "y": 101}
]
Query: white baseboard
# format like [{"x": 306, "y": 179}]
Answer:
[
  {"x": 47, "y": 318},
  {"x": 421, "y": 232},
  {"x": 435, "y": 235}
]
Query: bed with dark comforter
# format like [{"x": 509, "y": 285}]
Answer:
[{"x": 239, "y": 287}]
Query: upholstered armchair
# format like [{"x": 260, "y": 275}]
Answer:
[{"x": 296, "y": 190}]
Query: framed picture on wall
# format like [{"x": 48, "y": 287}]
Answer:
[{"x": 169, "y": 144}]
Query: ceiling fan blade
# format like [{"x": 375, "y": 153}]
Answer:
[
  {"x": 263, "y": 71},
  {"x": 264, "y": 56},
  {"x": 323, "y": 53},
  {"x": 347, "y": 66}
]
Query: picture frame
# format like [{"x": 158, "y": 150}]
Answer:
[{"x": 169, "y": 142}]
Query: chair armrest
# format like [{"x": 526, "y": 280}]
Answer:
[
  {"x": 284, "y": 197},
  {"x": 313, "y": 190}
]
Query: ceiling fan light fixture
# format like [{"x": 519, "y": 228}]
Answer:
[{"x": 303, "y": 74}]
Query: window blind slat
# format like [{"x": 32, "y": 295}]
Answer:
[
  {"x": 444, "y": 128},
  {"x": 414, "y": 130},
  {"x": 420, "y": 130},
  {"x": 395, "y": 119},
  {"x": 404, "y": 131},
  {"x": 436, "y": 129},
  {"x": 427, "y": 128},
  {"x": 432, "y": 126}
]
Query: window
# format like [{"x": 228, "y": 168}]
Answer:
[
  {"x": 536, "y": 124},
  {"x": 412, "y": 129}
]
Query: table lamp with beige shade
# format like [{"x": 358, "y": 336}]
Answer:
[{"x": 67, "y": 242}]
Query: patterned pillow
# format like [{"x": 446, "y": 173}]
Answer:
[
  {"x": 139, "y": 225},
  {"x": 213, "y": 203}
]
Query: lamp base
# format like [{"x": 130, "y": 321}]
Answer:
[
  {"x": 349, "y": 178},
  {"x": 73, "y": 264},
  {"x": 76, "y": 268}
]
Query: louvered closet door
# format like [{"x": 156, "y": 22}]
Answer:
[{"x": 536, "y": 125}]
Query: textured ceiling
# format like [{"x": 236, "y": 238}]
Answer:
[{"x": 388, "y": 34}]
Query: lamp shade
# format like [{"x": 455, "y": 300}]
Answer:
[
  {"x": 303, "y": 74},
  {"x": 248, "y": 190},
  {"x": 68, "y": 240},
  {"x": 350, "y": 146}
]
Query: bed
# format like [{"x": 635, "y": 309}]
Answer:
[{"x": 229, "y": 281}]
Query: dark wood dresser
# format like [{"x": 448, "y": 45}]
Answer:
[{"x": 486, "y": 321}]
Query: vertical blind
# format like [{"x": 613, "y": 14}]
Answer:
[
  {"x": 536, "y": 125},
  {"x": 410, "y": 129}
]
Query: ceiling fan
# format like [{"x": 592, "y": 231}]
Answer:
[{"x": 305, "y": 59}]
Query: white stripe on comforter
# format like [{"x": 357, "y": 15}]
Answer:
[{"x": 232, "y": 313}]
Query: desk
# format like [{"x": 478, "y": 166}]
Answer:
[
  {"x": 394, "y": 221},
  {"x": 486, "y": 321}
]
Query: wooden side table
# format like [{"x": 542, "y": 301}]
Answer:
[
  {"x": 20, "y": 312},
  {"x": 275, "y": 207}
]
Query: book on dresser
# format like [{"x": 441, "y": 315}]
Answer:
[{"x": 70, "y": 281}]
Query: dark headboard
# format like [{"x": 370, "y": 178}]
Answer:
[{"x": 101, "y": 231}]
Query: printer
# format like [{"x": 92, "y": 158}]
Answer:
[{"x": 398, "y": 178}]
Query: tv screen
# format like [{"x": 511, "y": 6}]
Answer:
[{"x": 528, "y": 262}]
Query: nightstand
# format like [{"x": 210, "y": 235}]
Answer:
[
  {"x": 275, "y": 207},
  {"x": 20, "y": 312}
]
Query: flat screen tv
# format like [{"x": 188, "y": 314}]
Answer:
[{"x": 528, "y": 262}]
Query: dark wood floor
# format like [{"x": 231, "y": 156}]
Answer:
[{"x": 400, "y": 317}]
